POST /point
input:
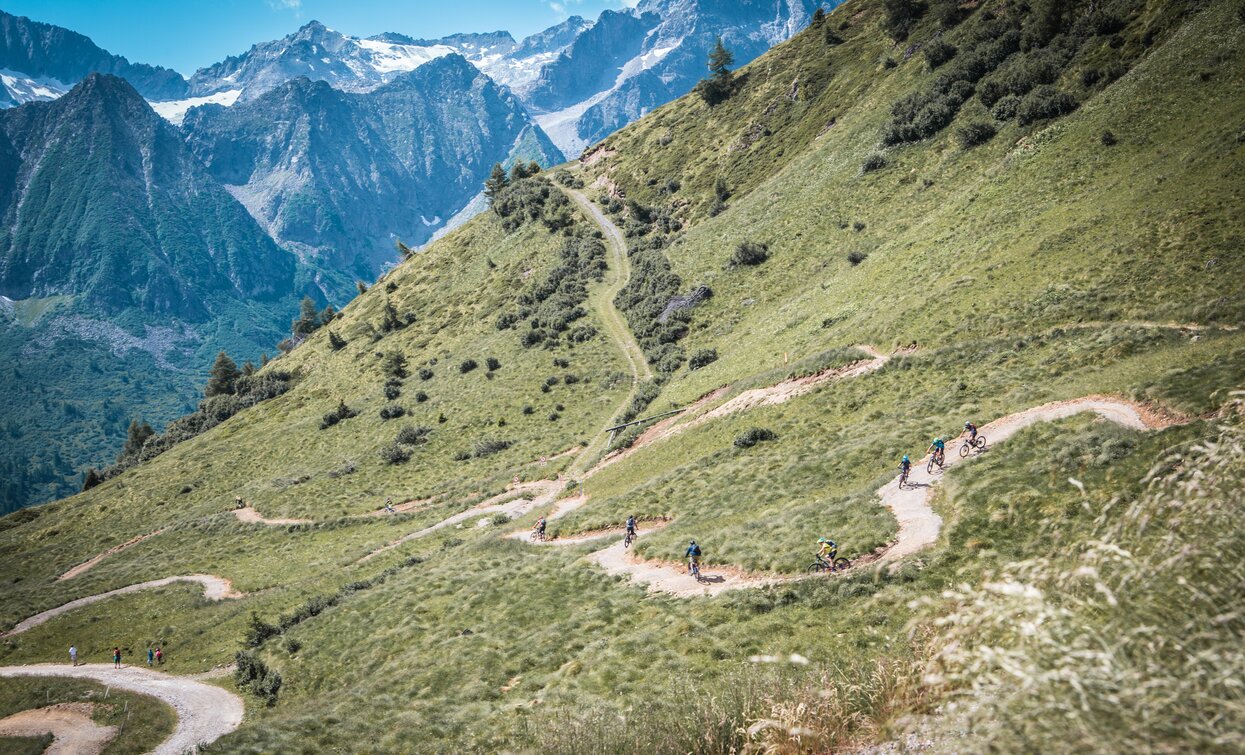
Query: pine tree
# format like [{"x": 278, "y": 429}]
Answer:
[
  {"x": 224, "y": 377},
  {"x": 819, "y": 17},
  {"x": 717, "y": 88},
  {"x": 719, "y": 60},
  {"x": 91, "y": 479},
  {"x": 361, "y": 286},
  {"x": 496, "y": 183},
  {"x": 337, "y": 342},
  {"x": 308, "y": 318},
  {"x": 405, "y": 250},
  {"x": 248, "y": 368}
]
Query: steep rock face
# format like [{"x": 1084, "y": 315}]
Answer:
[
  {"x": 582, "y": 95},
  {"x": 45, "y": 60},
  {"x": 519, "y": 67},
  {"x": 100, "y": 199},
  {"x": 338, "y": 176},
  {"x": 593, "y": 61}
]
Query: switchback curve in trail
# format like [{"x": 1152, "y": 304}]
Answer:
[
  {"x": 919, "y": 525},
  {"x": 70, "y": 724},
  {"x": 204, "y": 712},
  {"x": 503, "y": 503},
  {"x": 214, "y": 588}
]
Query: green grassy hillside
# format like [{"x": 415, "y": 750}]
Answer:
[{"x": 1050, "y": 262}]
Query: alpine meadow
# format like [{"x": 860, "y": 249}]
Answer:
[{"x": 883, "y": 391}]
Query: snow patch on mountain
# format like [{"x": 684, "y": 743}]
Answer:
[
  {"x": 174, "y": 111},
  {"x": 19, "y": 88}
]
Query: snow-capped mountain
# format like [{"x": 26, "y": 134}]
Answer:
[
  {"x": 632, "y": 61},
  {"x": 40, "y": 62},
  {"x": 337, "y": 176}
]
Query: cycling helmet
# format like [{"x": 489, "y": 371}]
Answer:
[
  {"x": 822, "y": 540},
  {"x": 968, "y": 425},
  {"x": 692, "y": 543},
  {"x": 938, "y": 439},
  {"x": 905, "y": 457}
]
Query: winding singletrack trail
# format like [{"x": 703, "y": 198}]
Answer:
[
  {"x": 919, "y": 525},
  {"x": 251, "y": 516},
  {"x": 601, "y": 299},
  {"x": 752, "y": 398},
  {"x": 204, "y": 712},
  {"x": 503, "y": 503},
  {"x": 214, "y": 588},
  {"x": 73, "y": 732},
  {"x": 93, "y": 562}
]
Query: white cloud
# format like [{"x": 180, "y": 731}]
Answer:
[{"x": 286, "y": 4}]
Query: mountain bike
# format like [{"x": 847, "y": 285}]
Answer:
[
  {"x": 629, "y": 539},
  {"x": 821, "y": 564},
  {"x": 935, "y": 460},
  {"x": 537, "y": 536},
  {"x": 693, "y": 568},
  {"x": 903, "y": 477},
  {"x": 978, "y": 443}
]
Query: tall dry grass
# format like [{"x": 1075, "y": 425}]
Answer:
[{"x": 1134, "y": 644}]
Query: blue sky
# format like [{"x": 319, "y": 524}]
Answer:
[{"x": 188, "y": 34}]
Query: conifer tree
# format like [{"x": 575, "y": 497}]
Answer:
[
  {"x": 496, "y": 182},
  {"x": 717, "y": 88},
  {"x": 223, "y": 379}
]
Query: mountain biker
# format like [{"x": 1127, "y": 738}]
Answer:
[
  {"x": 939, "y": 449},
  {"x": 905, "y": 465},
  {"x": 540, "y": 527},
  {"x": 828, "y": 549},
  {"x": 238, "y": 503},
  {"x": 389, "y": 505},
  {"x": 631, "y": 525},
  {"x": 971, "y": 430},
  {"x": 693, "y": 556}
]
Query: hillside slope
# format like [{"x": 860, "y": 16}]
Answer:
[{"x": 1075, "y": 290}]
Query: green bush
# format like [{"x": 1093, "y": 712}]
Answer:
[
  {"x": 938, "y": 52},
  {"x": 420, "y": 397},
  {"x": 342, "y": 412},
  {"x": 467, "y": 366},
  {"x": 975, "y": 133},
  {"x": 901, "y": 16},
  {"x": 1005, "y": 109},
  {"x": 1044, "y": 102},
  {"x": 875, "y": 161},
  {"x": 753, "y": 436},
  {"x": 489, "y": 446},
  {"x": 394, "y": 363},
  {"x": 425, "y": 373},
  {"x": 749, "y": 253},
  {"x": 393, "y": 453},
  {"x": 391, "y": 411},
  {"x": 702, "y": 358},
  {"x": 392, "y": 392},
  {"x": 855, "y": 258},
  {"x": 493, "y": 364},
  {"x": 413, "y": 435},
  {"x": 258, "y": 631}
]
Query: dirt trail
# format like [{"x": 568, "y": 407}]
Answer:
[
  {"x": 919, "y": 526},
  {"x": 73, "y": 732},
  {"x": 204, "y": 712},
  {"x": 749, "y": 399},
  {"x": 92, "y": 563},
  {"x": 251, "y": 516},
  {"x": 601, "y": 300},
  {"x": 214, "y": 588},
  {"x": 503, "y": 503}
]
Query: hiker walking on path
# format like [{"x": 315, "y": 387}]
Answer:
[
  {"x": 151, "y": 656},
  {"x": 73, "y": 655},
  {"x": 116, "y": 657},
  {"x": 159, "y": 657}
]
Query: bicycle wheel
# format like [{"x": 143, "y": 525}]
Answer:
[
  {"x": 980, "y": 443},
  {"x": 816, "y": 567},
  {"x": 964, "y": 449},
  {"x": 841, "y": 563},
  {"x": 929, "y": 466}
]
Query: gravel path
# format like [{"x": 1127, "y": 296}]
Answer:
[
  {"x": 214, "y": 588},
  {"x": 204, "y": 712}
]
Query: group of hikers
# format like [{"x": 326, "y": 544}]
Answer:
[{"x": 155, "y": 656}]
